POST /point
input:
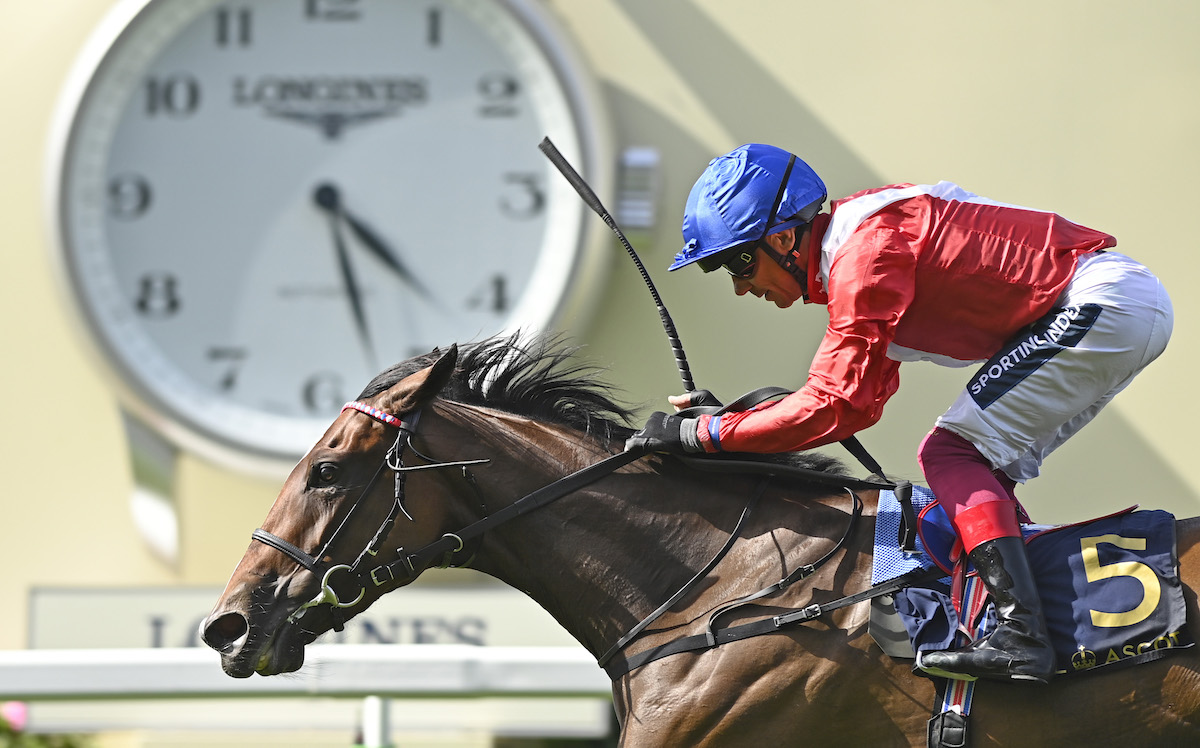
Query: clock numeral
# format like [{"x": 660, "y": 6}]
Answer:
[
  {"x": 499, "y": 92},
  {"x": 331, "y": 10},
  {"x": 129, "y": 197},
  {"x": 158, "y": 295},
  {"x": 433, "y": 29},
  {"x": 175, "y": 96},
  {"x": 322, "y": 392},
  {"x": 492, "y": 295},
  {"x": 233, "y": 27},
  {"x": 527, "y": 199},
  {"x": 229, "y": 360}
]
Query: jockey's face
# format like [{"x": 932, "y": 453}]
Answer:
[{"x": 770, "y": 281}]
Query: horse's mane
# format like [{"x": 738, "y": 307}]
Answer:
[
  {"x": 531, "y": 375},
  {"x": 540, "y": 376}
]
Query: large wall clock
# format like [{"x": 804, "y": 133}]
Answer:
[{"x": 259, "y": 204}]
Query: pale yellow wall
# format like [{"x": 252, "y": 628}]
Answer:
[{"x": 1087, "y": 108}]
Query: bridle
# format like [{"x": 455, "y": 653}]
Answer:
[
  {"x": 358, "y": 572},
  {"x": 410, "y": 565}
]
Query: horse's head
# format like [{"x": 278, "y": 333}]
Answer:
[
  {"x": 328, "y": 547},
  {"x": 378, "y": 500}
]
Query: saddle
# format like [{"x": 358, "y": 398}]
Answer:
[{"x": 1110, "y": 588}]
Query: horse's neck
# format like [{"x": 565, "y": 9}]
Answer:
[{"x": 584, "y": 557}]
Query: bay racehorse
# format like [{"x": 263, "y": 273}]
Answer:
[{"x": 384, "y": 495}]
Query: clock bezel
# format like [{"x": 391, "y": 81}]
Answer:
[{"x": 581, "y": 280}]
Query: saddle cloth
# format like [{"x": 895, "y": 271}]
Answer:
[{"x": 1110, "y": 587}]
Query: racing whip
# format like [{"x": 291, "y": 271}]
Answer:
[{"x": 593, "y": 202}]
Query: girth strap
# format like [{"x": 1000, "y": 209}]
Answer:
[{"x": 622, "y": 666}]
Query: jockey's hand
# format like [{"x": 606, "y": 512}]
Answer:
[
  {"x": 666, "y": 433},
  {"x": 695, "y": 399}
]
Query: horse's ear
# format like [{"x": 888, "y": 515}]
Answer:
[
  {"x": 415, "y": 390},
  {"x": 442, "y": 369}
]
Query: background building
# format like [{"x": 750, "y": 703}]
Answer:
[{"x": 1084, "y": 108}]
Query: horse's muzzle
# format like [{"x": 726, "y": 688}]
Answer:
[{"x": 245, "y": 650}]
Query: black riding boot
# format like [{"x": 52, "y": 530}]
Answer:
[{"x": 1019, "y": 648}]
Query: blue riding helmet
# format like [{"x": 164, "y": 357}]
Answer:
[{"x": 734, "y": 200}]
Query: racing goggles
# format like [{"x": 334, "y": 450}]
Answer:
[{"x": 740, "y": 262}]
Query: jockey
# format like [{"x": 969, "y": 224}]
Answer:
[{"x": 934, "y": 273}]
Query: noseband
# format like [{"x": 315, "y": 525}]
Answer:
[{"x": 359, "y": 574}]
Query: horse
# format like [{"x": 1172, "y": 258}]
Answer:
[{"x": 505, "y": 418}]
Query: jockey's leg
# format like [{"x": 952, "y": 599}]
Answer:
[
  {"x": 985, "y": 515},
  {"x": 1036, "y": 392}
]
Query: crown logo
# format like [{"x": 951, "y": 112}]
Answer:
[{"x": 1083, "y": 659}]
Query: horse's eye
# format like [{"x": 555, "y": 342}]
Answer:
[{"x": 324, "y": 474}]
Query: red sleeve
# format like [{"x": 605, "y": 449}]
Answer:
[{"x": 871, "y": 283}]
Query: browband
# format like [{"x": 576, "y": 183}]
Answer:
[{"x": 382, "y": 417}]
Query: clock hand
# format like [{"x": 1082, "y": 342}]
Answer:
[
  {"x": 370, "y": 239},
  {"x": 326, "y": 198},
  {"x": 381, "y": 250}
]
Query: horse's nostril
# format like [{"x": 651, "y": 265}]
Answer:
[{"x": 224, "y": 632}]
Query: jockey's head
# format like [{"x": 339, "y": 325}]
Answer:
[{"x": 753, "y": 203}]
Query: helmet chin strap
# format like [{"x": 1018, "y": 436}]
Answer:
[{"x": 790, "y": 259}]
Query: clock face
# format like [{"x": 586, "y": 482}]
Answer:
[{"x": 261, "y": 204}]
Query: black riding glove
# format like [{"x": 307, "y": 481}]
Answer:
[
  {"x": 666, "y": 433},
  {"x": 702, "y": 399}
]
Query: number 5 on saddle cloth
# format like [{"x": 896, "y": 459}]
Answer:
[{"x": 1110, "y": 587}]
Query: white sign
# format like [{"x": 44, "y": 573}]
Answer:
[{"x": 71, "y": 618}]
